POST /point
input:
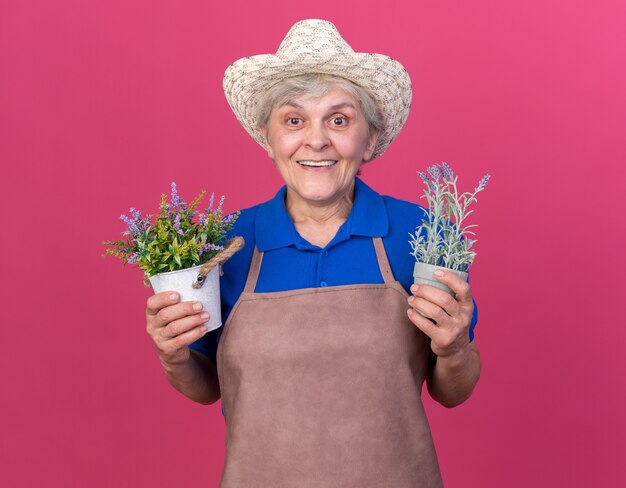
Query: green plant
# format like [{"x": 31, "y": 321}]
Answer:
[
  {"x": 442, "y": 238},
  {"x": 178, "y": 237}
]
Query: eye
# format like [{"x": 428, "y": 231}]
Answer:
[
  {"x": 339, "y": 121},
  {"x": 293, "y": 121}
]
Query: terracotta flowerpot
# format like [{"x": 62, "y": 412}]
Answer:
[{"x": 181, "y": 281}]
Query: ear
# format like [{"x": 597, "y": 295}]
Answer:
[
  {"x": 266, "y": 141},
  {"x": 371, "y": 145}
]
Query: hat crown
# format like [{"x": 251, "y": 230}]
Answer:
[{"x": 313, "y": 36}]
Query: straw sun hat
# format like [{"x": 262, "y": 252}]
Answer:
[{"x": 315, "y": 46}]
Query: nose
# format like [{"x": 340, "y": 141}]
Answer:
[{"x": 316, "y": 136}]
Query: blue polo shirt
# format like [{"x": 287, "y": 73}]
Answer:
[{"x": 290, "y": 262}]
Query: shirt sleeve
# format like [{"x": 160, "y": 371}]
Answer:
[{"x": 474, "y": 321}]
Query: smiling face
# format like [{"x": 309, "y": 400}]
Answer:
[{"x": 318, "y": 145}]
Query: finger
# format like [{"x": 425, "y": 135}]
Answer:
[
  {"x": 439, "y": 297},
  {"x": 457, "y": 284},
  {"x": 430, "y": 309},
  {"x": 181, "y": 326},
  {"x": 174, "y": 345},
  {"x": 423, "y": 324},
  {"x": 177, "y": 311},
  {"x": 159, "y": 300}
]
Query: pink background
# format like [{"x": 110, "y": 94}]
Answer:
[{"x": 103, "y": 104}]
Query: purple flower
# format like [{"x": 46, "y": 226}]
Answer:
[
  {"x": 219, "y": 206},
  {"x": 129, "y": 223},
  {"x": 228, "y": 219},
  {"x": 483, "y": 182},
  {"x": 429, "y": 184},
  {"x": 176, "y": 200},
  {"x": 203, "y": 220},
  {"x": 211, "y": 201},
  {"x": 435, "y": 173},
  {"x": 136, "y": 225},
  {"x": 210, "y": 247},
  {"x": 133, "y": 258},
  {"x": 177, "y": 224},
  {"x": 141, "y": 223},
  {"x": 447, "y": 172}
]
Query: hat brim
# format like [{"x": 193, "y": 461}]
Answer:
[{"x": 383, "y": 77}]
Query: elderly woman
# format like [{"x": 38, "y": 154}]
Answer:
[{"x": 321, "y": 361}]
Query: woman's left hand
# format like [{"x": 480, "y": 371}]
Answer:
[{"x": 450, "y": 333}]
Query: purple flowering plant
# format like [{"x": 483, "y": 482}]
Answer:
[
  {"x": 442, "y": 239},
  {"x": 178, "y": 237}
]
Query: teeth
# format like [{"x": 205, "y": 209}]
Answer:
[{"x": 317, "y": 163}]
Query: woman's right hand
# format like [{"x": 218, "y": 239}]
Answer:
[{"x": 173, "y": 326}]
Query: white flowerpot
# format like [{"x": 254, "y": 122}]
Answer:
[
  {"x": 181, "y": 281},
  {"x": 424, "y": 274}
]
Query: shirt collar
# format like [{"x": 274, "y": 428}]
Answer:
[
  {"x": 369, "y": 213},
  {"x": 274, "y": 227}
]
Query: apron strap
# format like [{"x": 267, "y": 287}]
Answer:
[
  {"x": 383, "y": 262},
  {"x": 253, "y": 272}
]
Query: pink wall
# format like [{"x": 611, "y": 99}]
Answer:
[{"x": 102, "y": 104}]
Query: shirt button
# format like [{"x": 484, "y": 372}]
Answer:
[
  {"x": 323, "y": 283},
  {"x": 325, "y": 253}
]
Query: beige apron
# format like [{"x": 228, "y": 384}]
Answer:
[{"x": 321, "y": 387}]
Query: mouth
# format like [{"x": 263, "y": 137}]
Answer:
[{"x": 317, "y": 164}]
